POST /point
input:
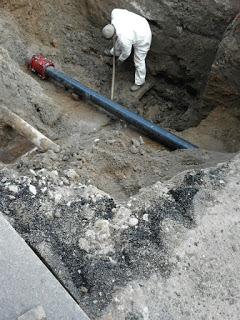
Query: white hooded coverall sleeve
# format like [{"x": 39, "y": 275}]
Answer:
[
  {"x": 123, "y": 49},
  {"x": 126, "y": 49},
  {"x": 134, "y": 31}
]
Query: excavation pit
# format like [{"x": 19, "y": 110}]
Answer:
[{"x": 110, "y": 210}]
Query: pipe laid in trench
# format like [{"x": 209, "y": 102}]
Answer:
[
  {"x": 45, "y": 68},
  {"x": 26, "y": 130}
]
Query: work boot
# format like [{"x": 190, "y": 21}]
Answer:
[
  {"x": 108, "y": 53},
  {"x": 135, "y": 87}
]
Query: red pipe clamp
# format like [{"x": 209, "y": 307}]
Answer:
[{"x": 39, "y": 64}]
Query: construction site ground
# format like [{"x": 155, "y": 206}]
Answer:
[{"x": 132, "y": 229}]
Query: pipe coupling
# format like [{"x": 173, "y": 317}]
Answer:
[{"x": 39, "y": 64}]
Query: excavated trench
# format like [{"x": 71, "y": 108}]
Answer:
[
  {"x": 172, "y": 99},
  {"x": 102, "y": 151}
]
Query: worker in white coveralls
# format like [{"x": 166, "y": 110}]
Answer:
[{"x": 130, "y": 30}]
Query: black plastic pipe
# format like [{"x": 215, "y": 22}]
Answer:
[{"x": 150, "y": 129}]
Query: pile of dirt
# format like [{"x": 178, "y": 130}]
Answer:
[{"x": 23, "y": 95}]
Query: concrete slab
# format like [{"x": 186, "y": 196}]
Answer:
[{"x": 27, "y": 283}]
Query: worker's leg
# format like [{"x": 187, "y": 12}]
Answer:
[
  {"x": 140, "y": 54},
  {"x": 140, "y": 65}
]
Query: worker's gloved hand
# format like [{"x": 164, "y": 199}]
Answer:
[
  {"x": 108, "y": 53},
  {"x": 119, "y": 63}
]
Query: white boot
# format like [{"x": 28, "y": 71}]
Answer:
[{"x": 135, "y": 87}]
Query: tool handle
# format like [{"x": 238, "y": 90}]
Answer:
[{"x": 114, "y": 71}]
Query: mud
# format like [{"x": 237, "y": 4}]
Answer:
[{"x": 111, "y": 212}]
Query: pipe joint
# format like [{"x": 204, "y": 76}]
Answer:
[{"x": 39, "y": 64}]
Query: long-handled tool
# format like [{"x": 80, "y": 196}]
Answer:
[{"x": 114, "y": 71}]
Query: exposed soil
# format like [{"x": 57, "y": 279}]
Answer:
[{"x": 74, "y": 207}]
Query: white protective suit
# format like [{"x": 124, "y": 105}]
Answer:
[{"x": 134, "y": 31}]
